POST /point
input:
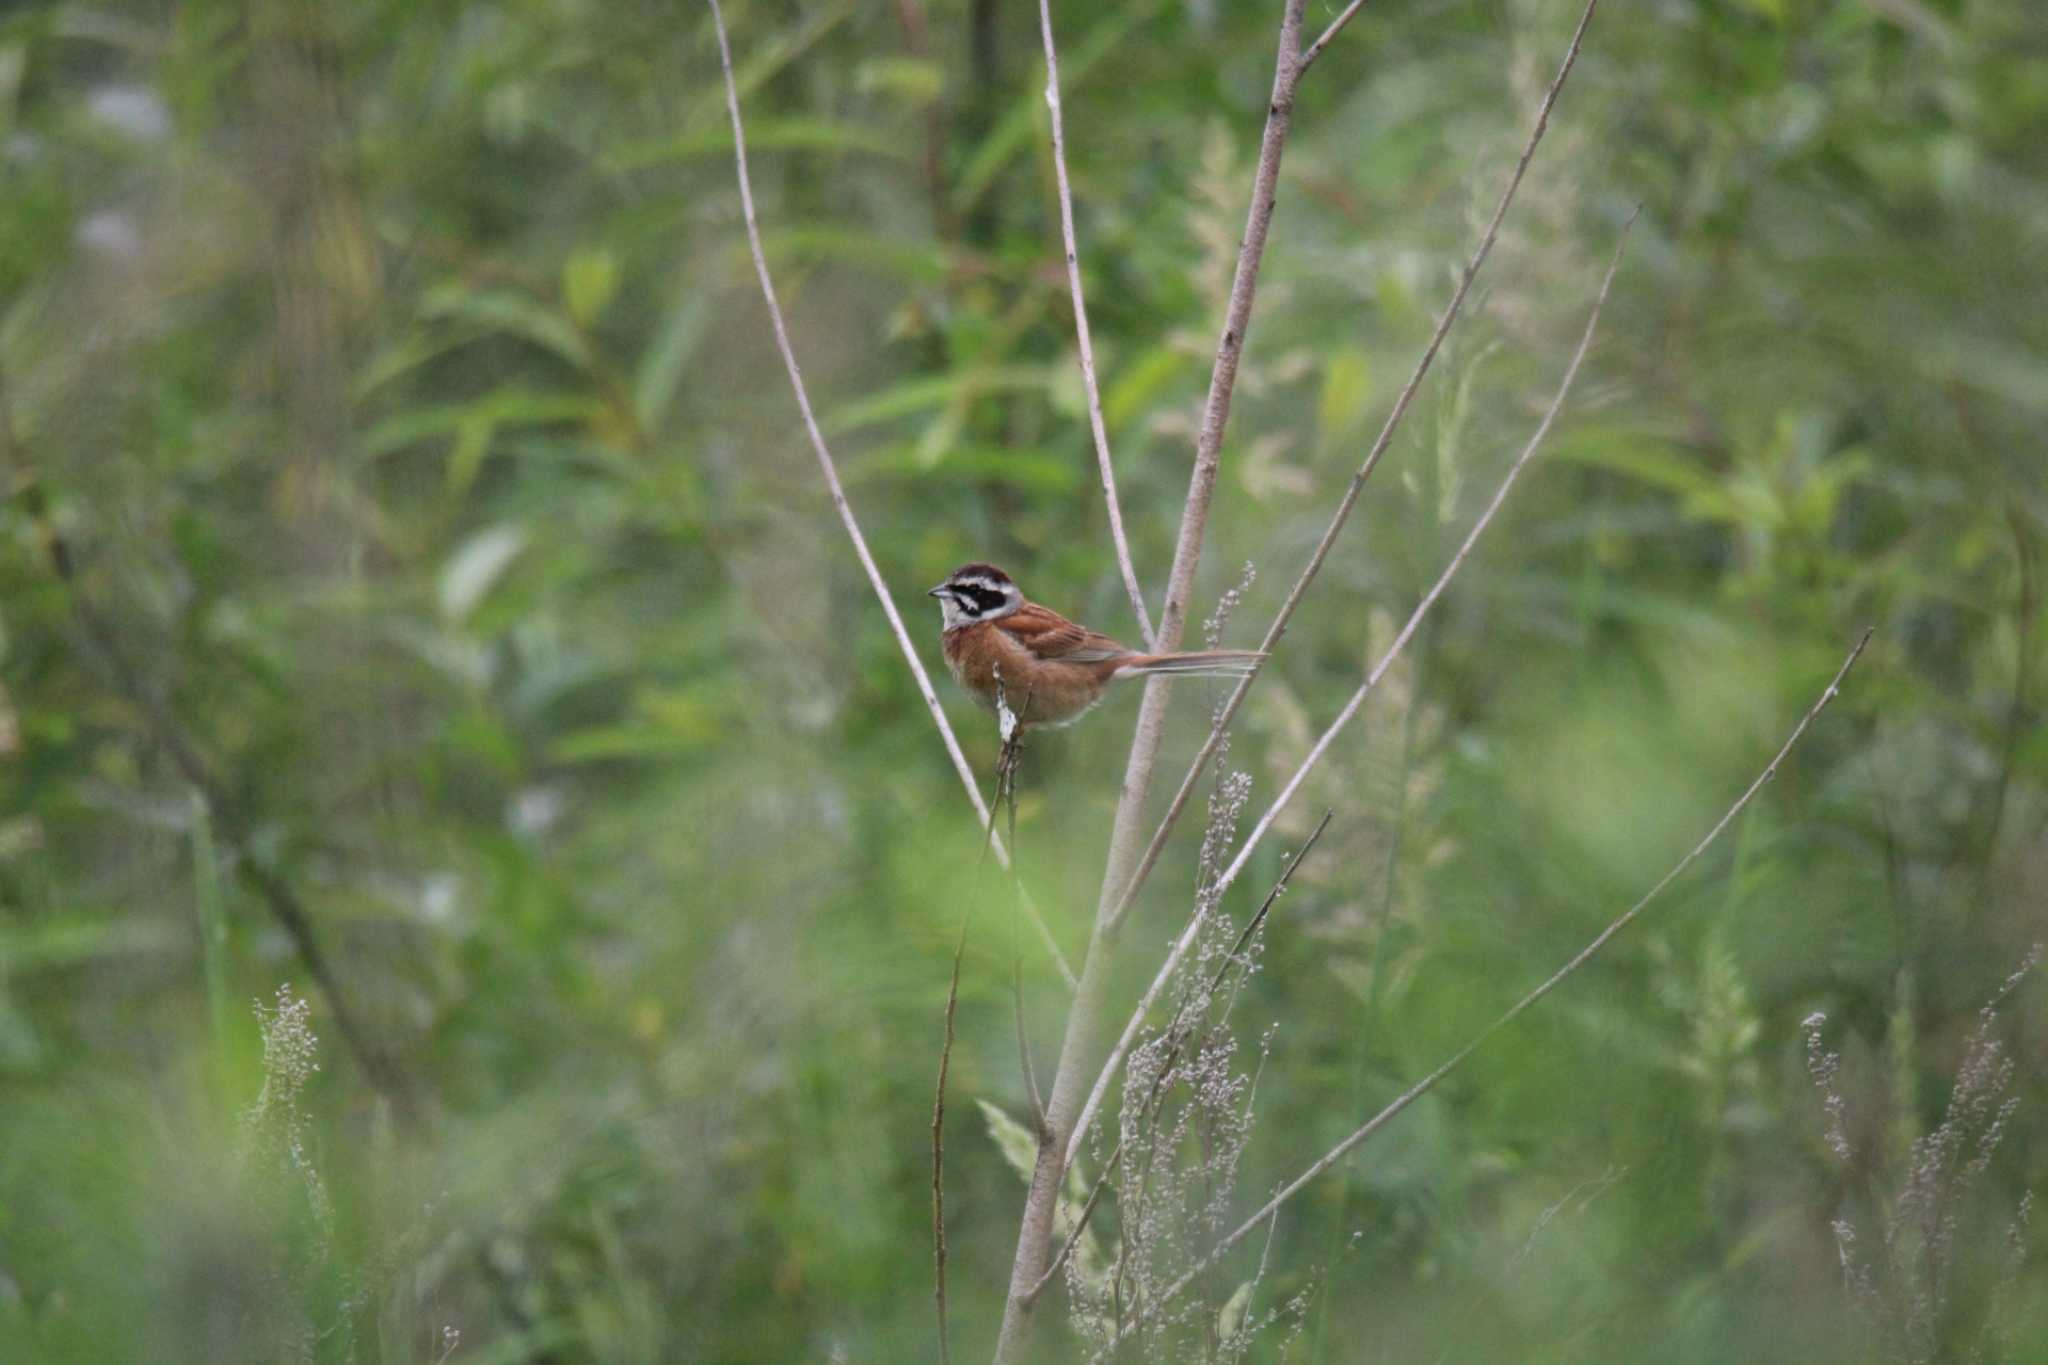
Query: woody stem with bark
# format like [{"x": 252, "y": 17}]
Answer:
[
  {"x": 1089, "y": 1012},
  {"x": 1342, "y": 514}
]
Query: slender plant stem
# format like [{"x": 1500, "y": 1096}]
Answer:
[
  {"x": 1451, "y": 313},
  {"x": 1322, "y": 744},
  {"x": 939, "y": 1139},
  {"x": 1557, "y": 978},
  {"x": 1329, "y": 35},
  {"x": 838, "y": 490},
  {"x": 1089, "y": 1012},
  {"x": 1006, "y": 773},
  {"x": 1084, "y": 343},
  {"x": 1177, "y": 1036}
]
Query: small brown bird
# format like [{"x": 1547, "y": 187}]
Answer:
[{"x": 1052, "y": 670}]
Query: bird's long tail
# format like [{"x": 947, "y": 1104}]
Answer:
[{"x": 1209, "y": 663}]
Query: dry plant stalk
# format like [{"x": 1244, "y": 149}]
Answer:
[
  {"x": 1201, "y": 1016},
  {"x": 1902, "y": 1285}
]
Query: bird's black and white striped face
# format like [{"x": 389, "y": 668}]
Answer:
[{"x": 976, "y": 592}]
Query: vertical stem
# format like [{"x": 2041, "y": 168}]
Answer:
[
  {"x": 1088, "y": 1018},
  {"x": 1084, "y": 343}
]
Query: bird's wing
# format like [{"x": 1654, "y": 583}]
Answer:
[{"x": 1049, "y": 635}]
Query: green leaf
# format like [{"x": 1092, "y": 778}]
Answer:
[
  {"x": 1021, "y": 125},
  {"x": 512, "y": 313},
  {"x": 466, "y": 456},
  {"x": 513, "y": 407},
  {"x": 1230, "y": 1319},
  {"x": 474, "y": 567},
  {"x": 1012, "y": 1139},
  {"x": 1027, "y": 469},
  {"x": 1661, "y": 465},
  {"x": 769, "y": 135},
  {"x": 922, "y": 395},
  {"x": 915, "y": 261},
  {"x": 1020, "y": 1149},
  {"x": 915, "y": 81},
  {"x": 660, "y": 371},
  {"x": 1347, "y": 389},
  {"x": 1135, "y": 388},
  {"x": 401, "y": 357},
  {"x": 590, "y": 278}
]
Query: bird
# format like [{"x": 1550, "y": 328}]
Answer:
[{"x": 1051, "y": 671}]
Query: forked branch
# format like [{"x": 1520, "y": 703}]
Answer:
[
  {"x": 1350, "y": 709},
  {"x": 1089, "y": 1012},
  {"x": 1451, "y": 313}
]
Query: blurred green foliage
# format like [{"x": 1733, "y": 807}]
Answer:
[{"x": 392, "y": 383}]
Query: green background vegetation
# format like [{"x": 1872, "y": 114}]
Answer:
[{"x": 392, "y": 378}]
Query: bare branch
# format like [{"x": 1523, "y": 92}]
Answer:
[
  {"x": 1578, "y": 960},
  {"x": 1322, "y": 744},
  {"x": 1089, "y": 1013},
  {"x": 1315, "y": 49},
  {"x": 1081, "y": 336},
  {"x": 1150, "y": 858},
  {"x": 838, "y": 491}
]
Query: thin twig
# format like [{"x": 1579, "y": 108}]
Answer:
[
  {"x": 1315, "y": 49},
  {"x": 1578, "y": 960},
  {"x": 1177, "y": 1035},
  {"x": 1003, "y": 776},
  {"x": 838, "y": 491},
  {"x": 1006, "y": 789},
  {"x": 1322, "y": 744},
  {"x": 1090, "y": 1009},
  {"x": 1451, "y": 312},
  {"x": 939, "y": 1132},
  {"x": 1085, "y": 345}
]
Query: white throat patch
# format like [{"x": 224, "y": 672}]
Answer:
[{"x": 969, "y": 600}]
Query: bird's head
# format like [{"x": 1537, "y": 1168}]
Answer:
[{"x": 976, "y": 592}]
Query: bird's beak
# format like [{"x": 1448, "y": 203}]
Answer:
[{"x": 939, "y": 591}]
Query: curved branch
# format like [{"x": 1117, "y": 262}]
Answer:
[
  {"x": 838, "y": 490},
  {"x": 1084, "y": 342}
]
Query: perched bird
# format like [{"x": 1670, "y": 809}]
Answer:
[{"x": 1051, "y": 669}]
